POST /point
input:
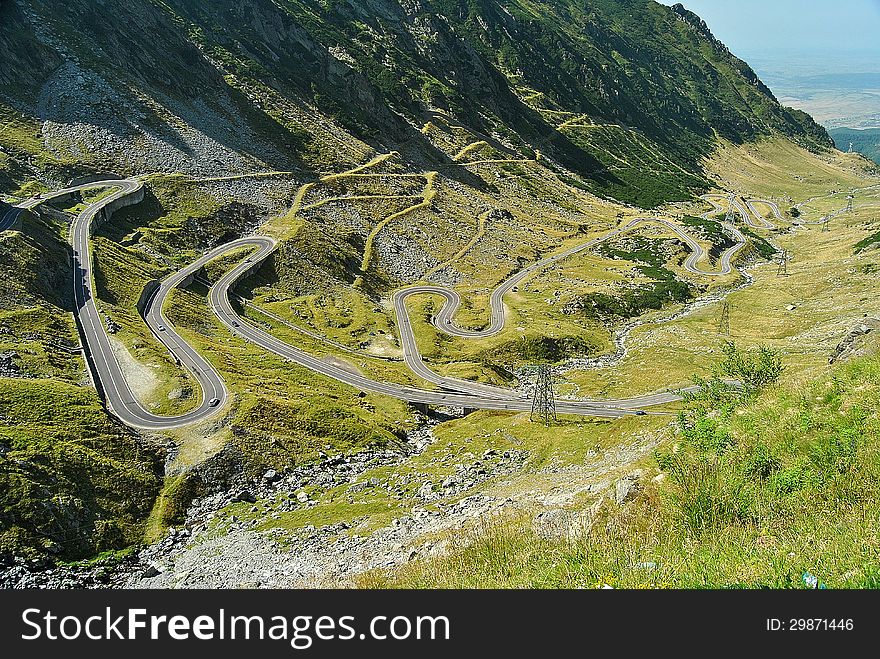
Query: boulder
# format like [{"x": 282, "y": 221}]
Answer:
[
  {"x": 861, "y": 341},
  {"x": 627, "y": 487},
  {"x": 246, "y": 496}
]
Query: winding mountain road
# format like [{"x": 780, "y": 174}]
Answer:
[
  {"x": 444, "y": 319},
  {"x": 104, "y": 366},
  {"x": 749, "y": 214},
  {"x": 111, "y": 380}
]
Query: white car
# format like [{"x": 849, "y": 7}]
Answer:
[
  {"x": 214, "y": 402},
  {"x": 161, "y": 328}
]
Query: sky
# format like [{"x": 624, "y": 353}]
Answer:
[{"x": 793, "y": 26}]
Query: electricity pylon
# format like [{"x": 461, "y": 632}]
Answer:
[
  {"x": 724, "y": 322},
  {"x": 544, "y": 402},
  {"x": 849, "y": 203},
  {"x": 730, "y": 212},
  {"x": 783, "y": 263}
]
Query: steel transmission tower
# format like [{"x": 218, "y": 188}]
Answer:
[
  {"x": 731, "y": 215},
  {"x": 724, "y": 322},
  {"x": 783, "y": 263},
  {"x": 544, "y": 402},
  {"x": 849, "y": 203}
]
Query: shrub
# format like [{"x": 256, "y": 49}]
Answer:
[
  {"x": 870, "y": 241},
  {"x": 760, "y": 462},
  {"x": 754, "y": 369},
  {"x": 539, "y": 349},
  {"x": 789, "y": 480}
]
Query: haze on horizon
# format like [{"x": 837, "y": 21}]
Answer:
[{"x": 820, "y": 57}]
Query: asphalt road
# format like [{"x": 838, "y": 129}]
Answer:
[
  {"x": 103, "y": 365},
  {"x": 748, "y": 213},
  {"x": 750, "y": 203},
  {"x": 110, "y": 378},
  {"x": 453, "y": 391},
  {"x": 12, "y": 214},
  {"x": 444, "y": 319},
  {"x": 220, "y": 303}
]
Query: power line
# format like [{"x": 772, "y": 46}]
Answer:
[{"x": 544, "y": 402}]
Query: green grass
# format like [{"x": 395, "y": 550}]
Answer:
[
  {"x": 328, "y": 513},
  {"x": 789, "y": 479},
  {"x": 34, "y": 264},
  {"x": 663, "y": 286},
  {"x": 283, "y": 414},
  {"x": 177, "y": 493},
  {"x": 72, "y": 481},
  {"x": 867, "y": 243},
  {"x": 540, "y": 349},
  {"x": 22, "y": 140},
  {"x": 775, "y": 168},
  {"x": 120, "y": 276},
  {"x": 708, "y": 229},
  {"x": 35, "y": 297},
  {"x": 762, "y": 245},
  {"x": 638, "y": 171}
]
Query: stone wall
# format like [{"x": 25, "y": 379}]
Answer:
[
  {"x": 107, "y": 211},
  {"x": 94, "y": 178},
  {"x": 148, "y": 292}
]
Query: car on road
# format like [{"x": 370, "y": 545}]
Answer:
[
  {"x": 214, "y": 402},
  {"x": 235, "y": 324},
  {"x": 161, "y": 328},
  {"x": 640, "y": 413}
]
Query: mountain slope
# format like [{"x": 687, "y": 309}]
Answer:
[
  {"x": 416, "y": 140},
  {"x": 237, "y": 85}
]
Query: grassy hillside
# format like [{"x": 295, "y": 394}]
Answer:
[
  {"x": 523, "y": 70},
  {"x": 382, "y": 143},
  {"x": 756, "y": 489},
  {"x": 73, "y": 482}
]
